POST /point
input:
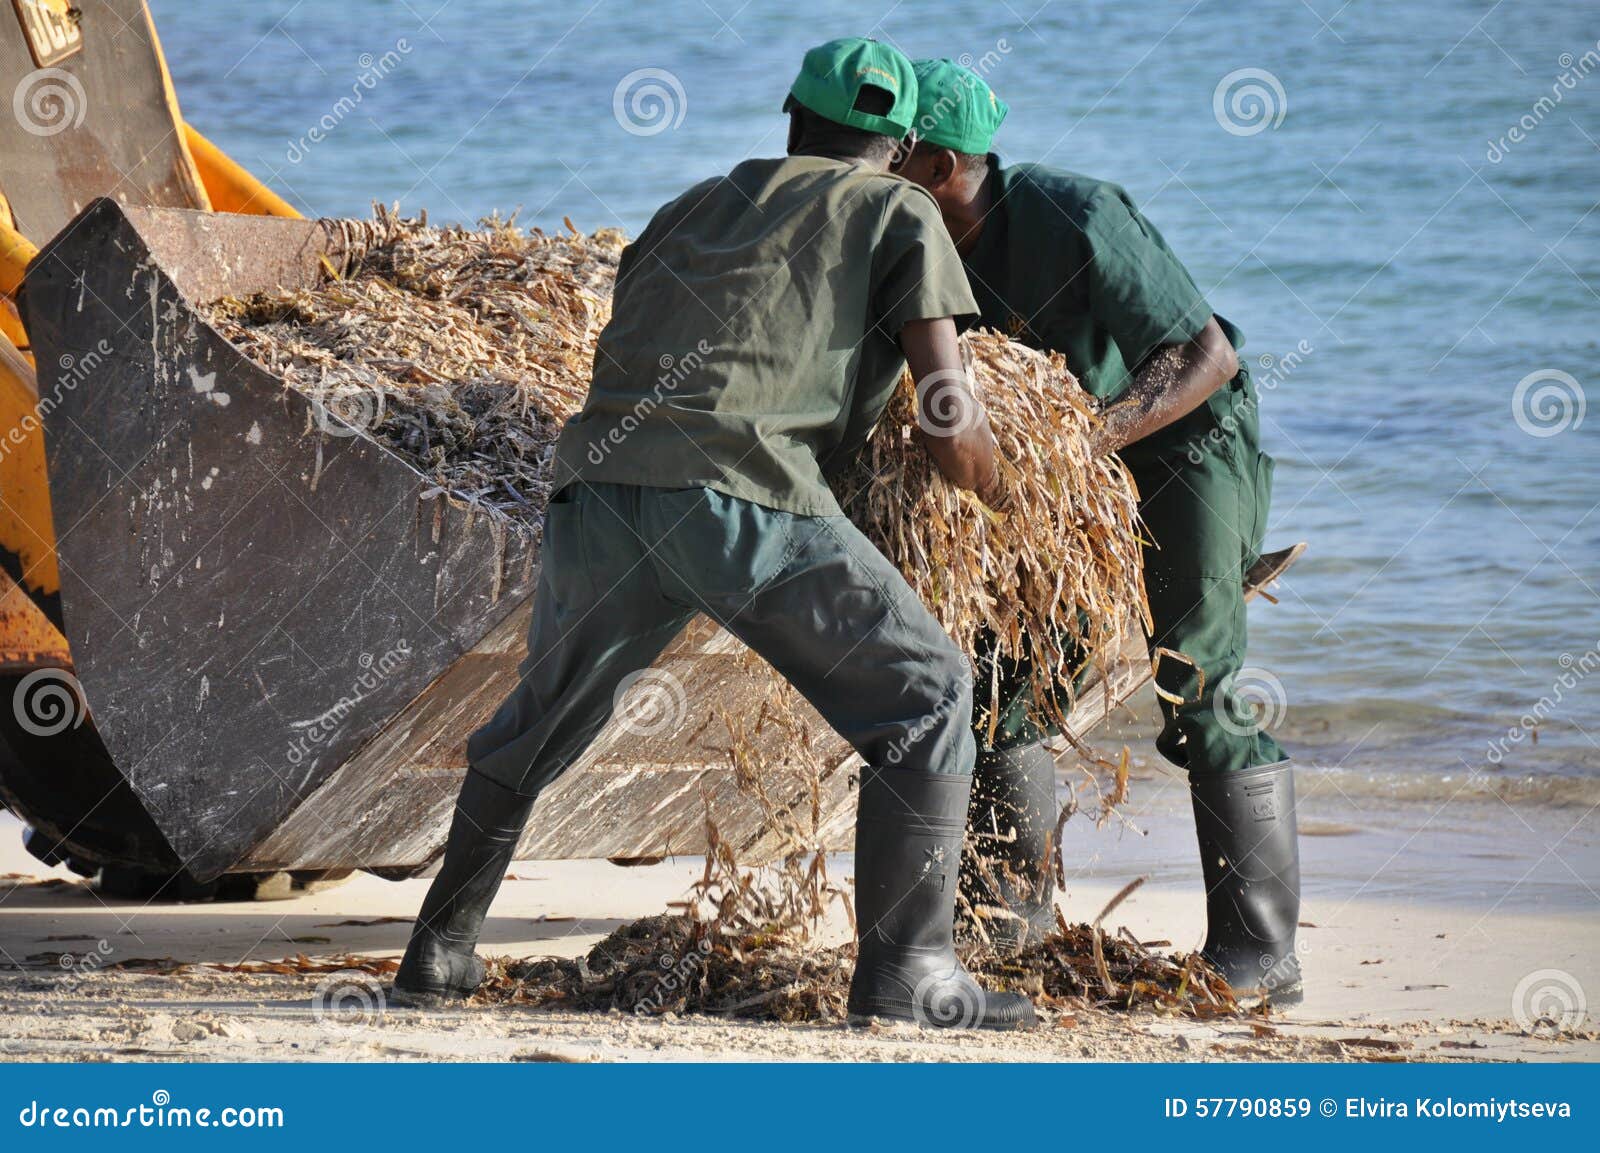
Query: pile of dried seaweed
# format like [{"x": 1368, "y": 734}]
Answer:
[
  {"x": 464, "y": 350},
  {"x": 1061, "y": 575},
  {"x": 678, "y": 964}
]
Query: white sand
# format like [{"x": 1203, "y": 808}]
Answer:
[{"x": 1402, "y": 949}]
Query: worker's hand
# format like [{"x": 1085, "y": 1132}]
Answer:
[
  {"x": 996, "y": 493},
  {"x": 1173, "y": 381}
]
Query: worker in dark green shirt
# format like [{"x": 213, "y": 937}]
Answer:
[
  {"x": 1065, "y": 262},
  {"x": 760, "y": 324}
]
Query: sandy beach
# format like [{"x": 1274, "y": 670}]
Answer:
[{"x": 1433, "y": 930}]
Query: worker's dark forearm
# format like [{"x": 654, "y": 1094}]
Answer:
[
  {"x": 951, "y": 423},
  {"x": 1173, "y": 381}
]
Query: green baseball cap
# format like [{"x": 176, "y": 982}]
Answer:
[
  {"x": 833, "y": 74},
  {"x": 956, "y": 108}
]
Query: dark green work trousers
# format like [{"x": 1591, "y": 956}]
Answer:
[
  {"x": 1204, "y": 491},
  {"x": 624, "y": 568}
]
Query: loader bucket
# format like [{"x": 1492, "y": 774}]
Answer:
[{"x": 281, "y": 633}]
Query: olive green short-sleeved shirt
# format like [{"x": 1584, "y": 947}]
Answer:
[
  {"x": 1067, "y": 263},
  {"x": 753, "y": 339}
]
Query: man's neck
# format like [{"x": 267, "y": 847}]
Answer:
[
  {"x": 967, "y": 221},
  {"x": 823, "y": 152}
]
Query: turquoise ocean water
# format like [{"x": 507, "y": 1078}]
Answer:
[{"x": 1399, "y": 203}]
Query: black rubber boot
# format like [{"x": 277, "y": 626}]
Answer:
[
  {"x": 440, "y": 964},
  {"x": 1008, "y": 879},
  {"x": 1250, "y": 856},
  {"x": 908, "y": 846}
]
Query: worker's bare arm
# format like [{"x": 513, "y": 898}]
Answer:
[
  {"x": 951, "y": 423},
  {"x": 1172, "y": 382}
]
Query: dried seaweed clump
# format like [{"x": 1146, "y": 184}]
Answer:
[
  {"x": 674, "y": 963},
  {"x": 463, "y": 350},
  {"x": 1059, "y": 579}
]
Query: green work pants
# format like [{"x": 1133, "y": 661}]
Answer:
[
  {"x": 1204, "y": 491},
  {"x": 624, "y": 568}
]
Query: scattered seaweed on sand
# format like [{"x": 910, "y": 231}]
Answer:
[{"x": 745, "y": 943}]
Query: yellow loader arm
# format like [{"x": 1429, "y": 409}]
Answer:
[{"x": 96, "y": 115}]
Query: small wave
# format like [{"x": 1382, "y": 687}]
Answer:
[{"x": 1553, "y": 790}]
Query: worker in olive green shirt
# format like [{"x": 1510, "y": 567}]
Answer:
[
  {"x": 760, "y": 324},
  {"x": 1065, "y": 262}
]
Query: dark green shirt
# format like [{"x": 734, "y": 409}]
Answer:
[
  {"x": 753, "y": 338},
  {"x": 1067, "y": 263}
]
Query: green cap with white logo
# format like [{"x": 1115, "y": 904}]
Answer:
[
  {"x": 956, "y": 108},
  {"x": 833, "y": 75}
]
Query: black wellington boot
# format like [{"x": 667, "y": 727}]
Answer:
[
  {"x": 908, "y": 847},
  {"x": 1250, "y": 856},
  {"x": 1008, "y": 875},
  {"x": 440, "y": 964}
]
